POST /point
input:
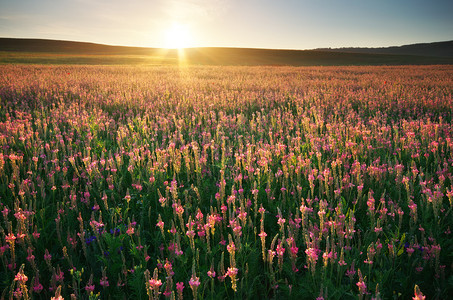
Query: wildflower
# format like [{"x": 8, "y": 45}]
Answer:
[
  {"x": 30, "y": 257},
  {"x": 409, "y": 251},
  {"x": 232, "y": 272},
  {"x": 130, "y": 230},
  {"x": 190, "y": 234},
  {"x": 128, "y": 196},
  {"x": 231, "y": 248},
  {"x": 155, "y": 283},
  {"x": 211, "y": 273},
  {"x": 361, "y": 285},
  {"x": 167, "y": 292},
  {"x": 341, "y": 262},
  {"x": 312, "y": 254},
  {"x": 21, "y": 277},
  {"x": 47, "y": 257},
  {"x": 180, "y": 288},
  {"x": 280, "y": 249},
  {"x": 351, "y": 272},
  {"x": 90, "y": 286},
  {"x": 10, "y": 238},
  {"x": 237, "y": 230},
  {"x": 57, "y": 294},
  {"x": 179, "y": 209},
  {"x": 36, "y": 234},
  {"x": 18, "y": 293},
  {"x": 168, "y": 268},
  {"x": 294, "y": 250},
  {"x": 59, "y": 275},
  {"x": 418, "y": 294},
  {"x": 5, "y": 212},
  {"x": 37, "y": 286},
  {"x": 104, "y": 282},
  {"x": 194, "y": 283}
]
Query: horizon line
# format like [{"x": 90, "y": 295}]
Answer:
[{"x": 225, "y": 47}]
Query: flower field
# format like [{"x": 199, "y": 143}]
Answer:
[{"x": 226, "y": 182}]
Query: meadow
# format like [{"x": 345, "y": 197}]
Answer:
[{"x": 204, "y": 182}]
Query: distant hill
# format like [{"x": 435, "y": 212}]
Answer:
[
  {"x": 67, "y": 47},
  {"x": 436, "y": 49},
  {"x": 41, "y": 51}
]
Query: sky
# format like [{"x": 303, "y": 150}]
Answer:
[{"x": 277, "y": 24}]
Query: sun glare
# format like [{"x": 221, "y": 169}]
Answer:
[{"x": 177, "y": 37}]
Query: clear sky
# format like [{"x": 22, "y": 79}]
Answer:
[{"x": 281, "y": 24}]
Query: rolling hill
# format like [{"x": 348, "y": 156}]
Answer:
[{"x": 43, "y": 51}]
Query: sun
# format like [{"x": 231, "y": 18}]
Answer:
[{"x": 177, "y": 37}]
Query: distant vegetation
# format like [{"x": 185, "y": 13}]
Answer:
[
  {"x": 438, "y": 49},
  {"x": 36, "y": 51}
]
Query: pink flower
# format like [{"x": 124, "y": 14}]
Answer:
[
  {"x": 231, "y": 247},
  {"x": 194, "y": 282},
  {"x": 211, "y": 273},
  {"x": 312, "y": 254},
  {"x": 21, "y": 277},
  {"x": 37, "y": 288},
  {"x": 36, "y": 234},
  {"x": 180, "y": 286},
  {"x": 59, "y": 276},
  {"x": 130, "y": 230},
  {"x": 10, "y": 238},
  {"x": 351, "y": 272},
  {"x": 280, "y": 250},
  {"x": 168, "y": 268},
  {"x": 5, "y": 212},
  {"x": 89, "y": 288},
  {"x": 280, "y": 221},
  {"x": 362, "y": 287},
  {"x": 47, "y": 256},
  {"x": 232, "y": 272},
  {"x": 155, "y": 283},
  {"x": 104, "y": 282},
  {"x": 361, "y": 284},
  {"x": 410, "y": 250}
]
